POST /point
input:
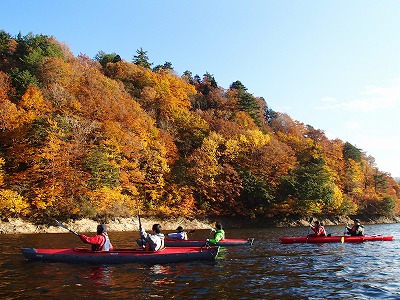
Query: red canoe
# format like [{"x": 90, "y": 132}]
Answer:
[
  {"x": 199, "y": 243},
  {"x": 117, "y": 256},
  {"x": 335, "y": 239}
]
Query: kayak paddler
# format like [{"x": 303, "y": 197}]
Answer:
[
  {"x": 153, "y": 241},
  {"x": 356, "y": 230},
  {"x": 318, "y": 228},
  {"x": 99, "y": 242},
  {"x": 179, "y": 235},
  {"x": 219, "y": 234}
]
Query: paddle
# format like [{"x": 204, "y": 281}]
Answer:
[
  {"x": 310, "y": 222},
  {"x": 344, "y": 233},
  {"x": 65, "y": 227},
  {"x": 140, "y": 223},
  {"x": 207, "y": 244}
]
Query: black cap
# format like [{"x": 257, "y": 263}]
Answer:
[
  {"x": 179, "y": 229},
  {"x": 101, "y": 228},
  {"x": 356, "y": 220}
]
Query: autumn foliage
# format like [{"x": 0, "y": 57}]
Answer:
[{"x": 106, "y": 138}]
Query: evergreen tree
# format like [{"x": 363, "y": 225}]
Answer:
[
  {"x": 141, "y": 59},
  {"x": 104, "y": 58},
  {"x": 269, "y": 114},
  {"x": 349, "y": 151},
  {"x": 247, "y": 102},
  {"x": 188, "y": 77},
  {"x": 210, "y": 78},
  {"x": 166, "y": 66}
]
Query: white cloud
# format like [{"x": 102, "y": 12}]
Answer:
[{"x": 372, "y": 98}]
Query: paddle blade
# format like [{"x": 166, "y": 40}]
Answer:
[{"x": 61, "y": 225}]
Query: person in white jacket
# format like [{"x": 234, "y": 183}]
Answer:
[
  {"x": 153, "y": 241},
  {"x": 179, "y": 235}
]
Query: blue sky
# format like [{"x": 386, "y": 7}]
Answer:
[{"x": 334, "y": 65}]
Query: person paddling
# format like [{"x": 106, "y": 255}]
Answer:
[
  {"x": 356, "y": 230},
  {"x": 318, "y": 228},
  {"x": 99, "y": 242},
  {"x": 153, "y": 241},
  {"x": 179, "y": 235},
  {"x": 219, "y": 234}
]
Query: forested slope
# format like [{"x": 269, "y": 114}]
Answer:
[{"x": 104, "y": 137}]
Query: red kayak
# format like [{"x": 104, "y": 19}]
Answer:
[
  {"x": 334, "y": 239},
  {"x": 199, "y": 243},
  {"x": 117, "y": 256}
]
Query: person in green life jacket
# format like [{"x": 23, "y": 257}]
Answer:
[{"x": 219, "y": 234}]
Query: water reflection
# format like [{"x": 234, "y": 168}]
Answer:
[{"x": 100, "y": 275}]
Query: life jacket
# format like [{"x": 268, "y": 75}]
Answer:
[
  {"x": 105, "y": 245},
  {"x": 221, "y": 232},
  {"x": 357, "y": 230},
  {"x": 152, "y": 243},
  {"x": 178, "y": 235}
]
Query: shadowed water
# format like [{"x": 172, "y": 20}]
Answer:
[{"x": 266, "y": 270}]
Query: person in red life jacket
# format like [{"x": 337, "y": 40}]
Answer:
[
  {"x": 356, "y": 230},
  {"x": 99, "y": 242},
  {"x": 318, "y": 228}
]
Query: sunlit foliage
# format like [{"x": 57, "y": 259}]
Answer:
[{"x": 105, "y": 138}]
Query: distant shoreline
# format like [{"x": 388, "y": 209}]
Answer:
[{"x": 19, "y": 226}]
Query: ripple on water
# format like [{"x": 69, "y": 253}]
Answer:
[{"x": 266, "y": 270}]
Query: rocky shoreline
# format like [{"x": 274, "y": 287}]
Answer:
[{"x": 19, "y": 226}]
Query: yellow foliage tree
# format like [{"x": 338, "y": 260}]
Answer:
[
  {"x": 110, "y": 202},
  {"x": 11, "y": 203},
  {"x": 33, "y": 103},
  {"x": 354, "y": 179}
]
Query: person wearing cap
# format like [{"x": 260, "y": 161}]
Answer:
[
  {"x": 219, "y": 234},
  {"x": 179, "y": 235},
  {"x": 356, "y": 230},
  {"x": 318, "y": 228},
  {"x": 151, "y": 241},
  {"x": 100, "y": 241}
]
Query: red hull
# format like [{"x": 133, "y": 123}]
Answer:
[
  {"x": 199, "y": 243},
  {"x": 80, "y": 255},
  {"x": 334, "y": 239}
]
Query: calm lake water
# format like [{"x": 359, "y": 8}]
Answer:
[{"x": 266, "y": 270}]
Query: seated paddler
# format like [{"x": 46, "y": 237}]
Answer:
[
  {"x": 179, "y": 235},
  {"x": 318, "y": 228},
  {"x": 100, "y": 241},
  {"x": 151, "y": 241},
  {"x": 356, "y": 230},
  {"x": 219, "y": 234}
]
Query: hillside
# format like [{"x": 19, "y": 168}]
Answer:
[{"x": 104, "y": 138}]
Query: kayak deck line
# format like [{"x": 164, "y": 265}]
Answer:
[
  {"x": 335, "y": 239},
  {"x": 82, "y": 255}
]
